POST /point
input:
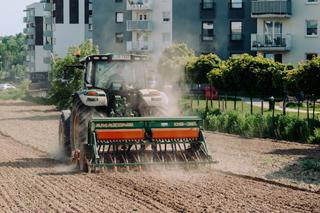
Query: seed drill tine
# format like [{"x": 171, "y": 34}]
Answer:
[
  {"x": 161, "y": 153},
  {"x": 182, "y": 153},
  {"x": 174, "y": 154},
  {"x": 94, "y": 148}
]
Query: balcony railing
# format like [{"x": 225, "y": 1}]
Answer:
[
  {"x": 29, "y": 19},
  {"x": 139, "y": 4},
  {"x": 30, "y": 41},
  {"x": 267, "y": 42},
  {"x": 271, "y": 8},
  {"x": 47, "y": 7},
  {"x": 47, "y": 47},
  {"x": 48, "y": 20},
  {"x": 47, "y": 60},
  {"x": 139, "y": 25},
  {"x": 48, "y": 33},
  {"x": 29, "y": 30},
  {"x": 136, "y": 46}
]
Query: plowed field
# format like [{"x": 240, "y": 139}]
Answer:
[{"x": 32, "y": 181}]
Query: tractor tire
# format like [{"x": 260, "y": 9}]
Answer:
[
  {"x": 80, "y": 117},
  {"x": 64, "y": 135}
]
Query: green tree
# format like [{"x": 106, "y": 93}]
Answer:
[
  {"x": 12, "y": 57},
  {"x": 307, "y": 77},
  {"x": 61, "y": 90},
  {"x": 197, "y": 68},
  {"x": 253, "y": 75},
  {"x": 172, "y": 62}
]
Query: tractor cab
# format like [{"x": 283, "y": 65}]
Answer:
[{"x": 116, "y": 72}]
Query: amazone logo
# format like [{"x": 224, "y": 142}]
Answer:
[
  {"x": 179, "y": 124},
  {"x": 113, "y": 125}
]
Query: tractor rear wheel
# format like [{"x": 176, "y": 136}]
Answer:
[
  {"x": 64, "y": 135},
  {"x": 80, "y": 117}
]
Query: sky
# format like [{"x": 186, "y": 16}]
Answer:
[{"x": 11, "y": 16}]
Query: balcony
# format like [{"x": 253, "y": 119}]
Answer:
[
  {"x": 47, "y": 7},
  {"x": 29, "y": 30},
  {"x": 47, "y": 60},
  {"x": 136, "y": 46},
  {"x": 30, "y": 41},
  {"x": 271, "y": 8},
  {"x": 139, "y": 4},
  {"x": 29, "y": 19},
  {"x": 48, "y": 20},
  {"x": 139, "y": 25},
  {"x": 48, "y": 33},
  {"x": 47, "y": 47},
  {"x": 271, "y": 43}
]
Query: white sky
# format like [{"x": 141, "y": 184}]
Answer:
[{"x": 11, "y": 16}]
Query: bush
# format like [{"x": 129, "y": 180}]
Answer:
[
  {"x": 14, "y": 94},
  {"x": 315, "y": 138},
  {"x": 280, "y": 127}
]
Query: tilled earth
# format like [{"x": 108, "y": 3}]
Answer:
[{"x": 32, "y": 181}]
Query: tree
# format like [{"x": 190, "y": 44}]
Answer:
[
  {"x": 307, "y": 77},
  {"x": 254, "y": 75},
  {"x": 197, "y": 68},
  {"x": 172, "y": 62},
  {"x": 12, "y": 57},
  {"x": 61, "y": 91}
]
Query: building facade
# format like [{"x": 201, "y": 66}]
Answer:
[
  {"x": 37, "y": 56},
  {"x": 221, "y": 27},
  {"x": 52, "y": 26},
  {"x": 132, "y": 26},
  {"x": 287, "y": 30}
]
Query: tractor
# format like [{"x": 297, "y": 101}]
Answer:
[{"x": 119, "y": 119}]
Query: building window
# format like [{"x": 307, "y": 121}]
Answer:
[
  {"x": 119, "y": 17},
  {"x": 310, "y": 56},
  {"x": 166, "y": 16},
  {"x": 118, "y": 0},
  {"x": 119, "y": 37},
  {"x": 166, "y": 37},
  {"x": 74, "y": 11},
  {"x": 274, "y": 57},
  {"x": 207, "y": 4},
  {"x": 207, "y": 31},
  {"x": 312, "y": 27},
  {"x": 236, "y": 30},
  {"x": 236, "y": 4},
  {"x": 312, "y": 1}
]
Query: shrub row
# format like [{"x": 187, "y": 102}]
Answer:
[{"x": 263, "y": 126}]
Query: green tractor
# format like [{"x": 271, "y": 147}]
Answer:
[{"x": 120, "y": 120}]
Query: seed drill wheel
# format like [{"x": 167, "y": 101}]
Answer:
[{"x": 80, "y": 117}]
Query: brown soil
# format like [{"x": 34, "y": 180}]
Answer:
[{"x": 31, "y": 181}]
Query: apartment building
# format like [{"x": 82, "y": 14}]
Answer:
[
  {"x": 52, "y": 26},
  {"x": 287, "y": 30},
  {"x": 38, "y": 57},
  {"x": 132, "y": 26},
  {"x": 222, "y": 27}
]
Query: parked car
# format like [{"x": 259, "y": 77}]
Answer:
[
  {"x": 7, "y": 86},
  {"x": 208, "y": 91},
  {"x": 211, "y": 93}
]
